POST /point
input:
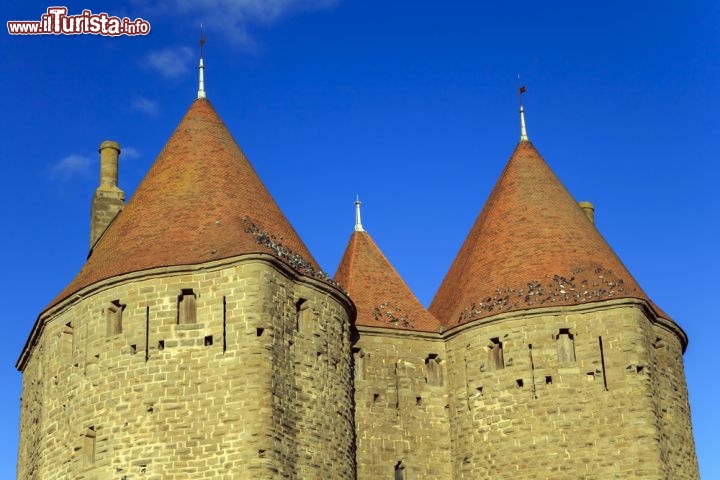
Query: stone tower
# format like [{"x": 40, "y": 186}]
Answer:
[
  {"x": 200, "y": 339},
  {"x": 399, "y": 355},
  {"x": 560, "y": 366},
  {"x": 540, "y": 356}
]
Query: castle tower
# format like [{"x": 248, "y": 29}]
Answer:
[
  {"x": 200, "y": 338},
  {"x": 399, "y": 369},
  {"x": 559, "y": 365}
]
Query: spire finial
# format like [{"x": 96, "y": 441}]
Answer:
[
  {"x": 201, "y": 87},
  {"x": 523, "y": 133},
  {"x": 358, "y": 223}
]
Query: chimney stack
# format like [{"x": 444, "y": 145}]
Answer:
[
  {"x": 589, "y": 210},
  {"x": 109, "y": 154},
  {"x": 108, "y": 199}
]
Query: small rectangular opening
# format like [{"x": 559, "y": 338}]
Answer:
[
  {"x": 496, "y": 360},
  {"x": 208, "y": 340},
  {"x": 433, "y": 373},
  {"x": 301, "y": 313},
  {"x": 259, "y": 331},
  {"x": 114, "y": 317},
  {"x": 67, "y": 341},
  {"x": 133, "y": 349},
  {"x": 590, "y": 376},
  {"x": 161, "y": 345},
  {"x": 187, "y": 306},
  {"x": 548, "y": 380},
  {"x": 519, "y": 382},
  {"x": 565, "y": 345},
  {"x": 400, "y": 471},
  {"x": 418, "y": 401},
  {"x": 89, "y": 446},
  {"x": 375, "y": 397}
]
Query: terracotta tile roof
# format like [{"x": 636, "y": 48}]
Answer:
[
  {"x": 381, "y": 296},
  {"x": 200, "y": 201},
  {"x": 531, "y": 246}
]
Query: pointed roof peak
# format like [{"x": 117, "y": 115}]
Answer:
[
  {"x": 381, "y": 296},
  {"x": 531, "y": 246},
  {"x": 200, "y": 201},
  {"x": 358, "y": 222}
]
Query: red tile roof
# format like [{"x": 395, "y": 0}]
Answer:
[
  {"x": 381, "y": 296},
  {"x": 200, "y": 201},
  {"x": 531, "y": 246}
]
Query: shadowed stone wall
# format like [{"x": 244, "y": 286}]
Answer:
[{"x": 401, "y": 405}]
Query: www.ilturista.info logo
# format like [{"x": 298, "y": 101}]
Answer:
[{"x": 57, "y": 22}]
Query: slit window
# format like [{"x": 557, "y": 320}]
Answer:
[
  {"x": 67, "y": 341},
  {"x": 301, "y": 315},
  {"x": 433, "y": 371},
  {"x": 496, "y": 360},
  {"x": 358, "y": 363},
  {"x": 187, "y": 308},
  {"x": 566, "y": 345},
  {"x": 114, "y": 317},
  {"x": 88, "y": 446},
  {"x": 400, "y": 471}
]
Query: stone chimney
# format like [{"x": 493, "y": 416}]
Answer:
[
  {"x": 108, "y": 199},
  {"x": 589, "y": 210}
]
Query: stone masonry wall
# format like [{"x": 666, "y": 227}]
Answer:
[
  {"x": 401, "y": 402},
  {"x": 258, "y": 384},
  {"x": 569, "y": 397},
  {"x": 672, "y": 407},
  {"x": 105, "y": 205},
  {"x": 172, "y": 398}
]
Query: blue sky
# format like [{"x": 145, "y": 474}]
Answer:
[{"x": 410, "y": 104}]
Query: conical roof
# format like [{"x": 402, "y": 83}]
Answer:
[
  {"x": 381, "y": 296},
  {"x": 200, "y": 201},
  {"x": 531, "y": 246}
]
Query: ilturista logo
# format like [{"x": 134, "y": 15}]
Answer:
[{"x": 56, "y": 21}]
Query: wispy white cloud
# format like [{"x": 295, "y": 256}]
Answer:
[
  {"x": 170, "y": 62},
  {"x": 145, "y": 105},
  {"x": 129, "y": 153},
  {"x": 233, "y": 18},
  {"x": 71, "y": 166}
]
